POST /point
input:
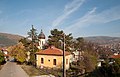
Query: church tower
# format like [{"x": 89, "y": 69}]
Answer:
[{"x": 41, "y": 38}]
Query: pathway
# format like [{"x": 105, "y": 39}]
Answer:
[{"x": 11, "y": 69}]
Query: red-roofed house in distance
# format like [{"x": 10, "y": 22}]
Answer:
[
  {"x": 52, "y": 58},
  {"x": 6, "y": 55},
  {"x": 114, "y": 56}
]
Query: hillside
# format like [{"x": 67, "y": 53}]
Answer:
[
  {"x": 8, "y": 39},
  {"x": 11, "y": 39},
  {"x": 102, "y": 40}
]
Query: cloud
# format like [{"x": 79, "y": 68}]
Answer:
[
  {"x": 83, "y": 21},
  {"x": 69, "y": 9},
  {"x": 109, "y": 15},
  {"x": 91, "y": 18}
]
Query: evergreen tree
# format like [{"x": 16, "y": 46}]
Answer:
[
  {"x": 56, "y": 39},
  {"x": 32, "y": 46},
  {"x": 33, "y": 34},
  {"x": 79, "y": 44}
]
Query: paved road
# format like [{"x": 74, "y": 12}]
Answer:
[{"x": 11, "y": 69}]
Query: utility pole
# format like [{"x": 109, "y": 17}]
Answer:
[{"x": 64, "y": 70}]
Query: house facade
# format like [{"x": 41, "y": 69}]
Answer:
[
  {"x": 76, "y": 55},
  {"x": 52, "y": 58}
]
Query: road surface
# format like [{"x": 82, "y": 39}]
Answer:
[{"x": 11, "y": 69}]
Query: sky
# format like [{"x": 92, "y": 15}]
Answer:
[{"x": 82, "y": 18}]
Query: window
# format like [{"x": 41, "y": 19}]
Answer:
[
  {"x": 49, "y": 60},
  {"x": 42, "y": 60},
  {"x": 66, "y": 61},
  {"x": 42, "y": 42},
  {"x": 39, "y": 42},
  {"x": 54, "y": 61}
]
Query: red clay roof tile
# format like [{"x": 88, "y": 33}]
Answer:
[{"x": 52, "y": 51}]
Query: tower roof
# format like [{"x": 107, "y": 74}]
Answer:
[{"x": 41, "y": 35}]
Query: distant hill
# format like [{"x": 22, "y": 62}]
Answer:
[
  {"x": 9, "y": 39},
  {"x": 102, "y": 40}
]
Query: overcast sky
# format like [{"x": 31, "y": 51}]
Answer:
[{"x": 79, "y": 17}]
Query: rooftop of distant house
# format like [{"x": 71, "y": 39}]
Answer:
[
  {"x": 115, "y": 56},
  {"x": 52, "y": 51}
]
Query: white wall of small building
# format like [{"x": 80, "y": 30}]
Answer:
[{"x": 41, "y": 43}]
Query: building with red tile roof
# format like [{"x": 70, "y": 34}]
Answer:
[
  {"x": 53, "y": 51},
  {"x": 5, "y": 52},
  {"x": 52, "y": 58}
]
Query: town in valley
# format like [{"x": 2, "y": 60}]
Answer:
[{"x": 60, "y": 38}]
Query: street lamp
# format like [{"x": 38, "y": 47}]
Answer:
[{"x": 64, "y": 70}]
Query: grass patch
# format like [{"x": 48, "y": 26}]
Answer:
[{"x": 32, "y": 71}]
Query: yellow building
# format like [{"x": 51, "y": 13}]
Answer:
[{"x": 52, "y": 58}]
